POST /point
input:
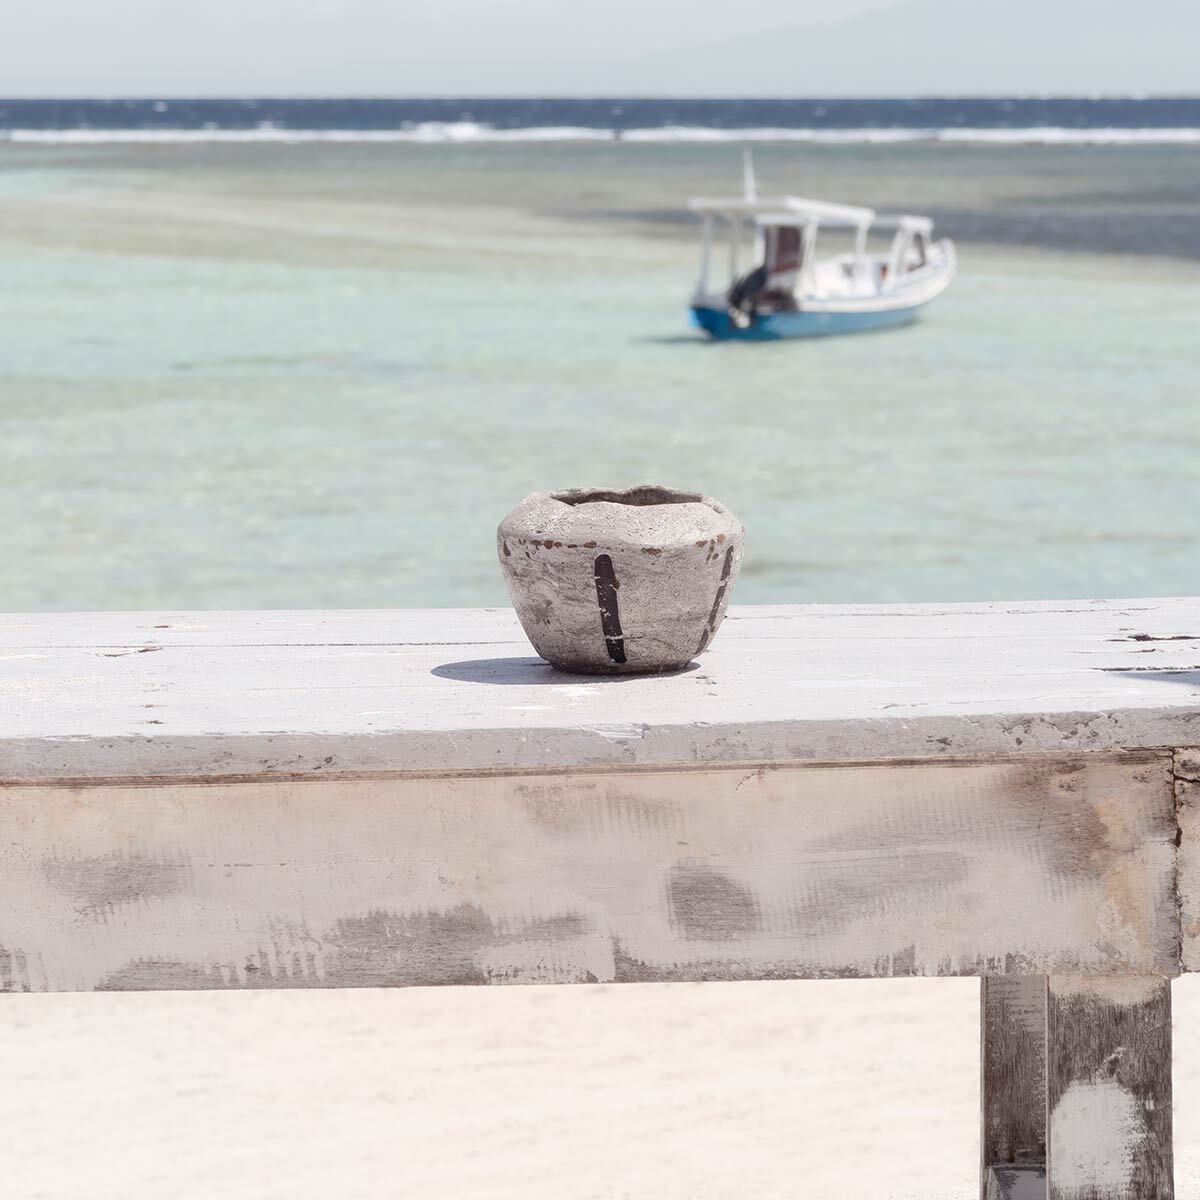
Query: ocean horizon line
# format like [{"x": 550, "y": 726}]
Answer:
[
  {"x": 581, "y": 97},
  {"x": 834, "y": 120}
]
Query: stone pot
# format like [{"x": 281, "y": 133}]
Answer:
[{"x": 612, "y": 582}]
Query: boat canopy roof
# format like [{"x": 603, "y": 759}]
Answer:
[
  {"x": 906, "y": 221},
  {"x": 796, "y": 210},
  {"x": 790, "y": 207}
]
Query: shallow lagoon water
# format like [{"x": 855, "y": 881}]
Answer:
[{"x": 317, "y": 376}]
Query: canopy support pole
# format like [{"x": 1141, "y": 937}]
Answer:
[
  {"x": 705, "y": 254},
  {"x": 808, "y": 274}
]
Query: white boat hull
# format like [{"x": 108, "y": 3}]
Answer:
[{"x": 826, "y": 315}]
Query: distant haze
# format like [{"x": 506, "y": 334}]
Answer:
[{"x": 618, "y": 47}]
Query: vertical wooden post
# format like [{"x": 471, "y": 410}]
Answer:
[
  {"x": 1076, "y": 1088},
  {"x": 1109, "y": 1088},
  {"x": 1013, "y": 1124}
]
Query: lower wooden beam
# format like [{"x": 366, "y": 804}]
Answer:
[
  {"x": 875, "y": 869},
  {"x": 1108, "y": 1089}
]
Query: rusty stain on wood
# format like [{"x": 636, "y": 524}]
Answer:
[{"x": 1186, "y": 773}]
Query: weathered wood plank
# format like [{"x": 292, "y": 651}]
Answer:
[
  {"x": 1013, "y": 1042},
  {"x": 1187, "y": 806},
  {"x": 1109, "y": 1089},
  {"x": 239, "y": 694},
  {"x": 989, "y": 868}
]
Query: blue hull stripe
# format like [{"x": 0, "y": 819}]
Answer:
[{"x": 716, "y": 322}]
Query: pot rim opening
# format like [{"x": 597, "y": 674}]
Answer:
[{"x": 646, "y": 495}]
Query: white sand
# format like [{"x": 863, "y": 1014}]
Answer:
[{"x": 676, "y": 1092}]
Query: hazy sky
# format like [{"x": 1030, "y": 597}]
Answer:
[{"x": 605, "y": 47}]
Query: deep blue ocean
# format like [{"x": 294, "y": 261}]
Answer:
[{"x": 1111, "y": 118}]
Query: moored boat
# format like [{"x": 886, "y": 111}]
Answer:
[{"x": 791, "y": 291}]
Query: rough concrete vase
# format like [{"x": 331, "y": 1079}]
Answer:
[{"x": 612, "y": 582}]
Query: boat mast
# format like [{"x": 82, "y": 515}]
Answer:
[{"x": 749, "y": 182}]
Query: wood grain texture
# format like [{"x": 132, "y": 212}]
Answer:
[
  {"x": 1187, "y": 807},
  {"x": 1109, "y": 1089},
  {"x": 241, "y": 694},
  {"x": 1013, "y": 1083},
  {"x": 869, "y": 870}
]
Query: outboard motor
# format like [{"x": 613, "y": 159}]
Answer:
[{"x": 743, "y": 296}]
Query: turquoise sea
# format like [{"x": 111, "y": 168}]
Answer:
[
  {"x": 261, "y": 374},
  {"x": 273, "y": 375}
]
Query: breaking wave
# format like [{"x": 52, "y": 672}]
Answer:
[{"x": 461, "y": 132}]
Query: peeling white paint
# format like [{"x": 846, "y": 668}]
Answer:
[
  {"x": 1128, "y": 990},
  {"x": 1095, "y": 1130},
  {"x": 625, "y": 732}
]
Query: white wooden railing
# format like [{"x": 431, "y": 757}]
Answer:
[{"x": 357, "y": 799}]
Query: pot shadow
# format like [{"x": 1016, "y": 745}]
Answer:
[
  {"x": 524, "y": 672},
  {"x": 1186, "y": 676}
]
